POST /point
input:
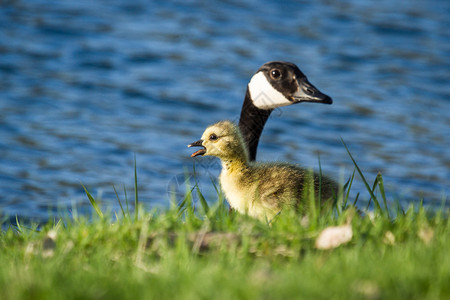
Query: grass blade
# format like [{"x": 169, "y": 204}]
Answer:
[
  {"x": 93, "y": 202},
  {"x": 187, "y": 201},
  {"x": 202, "y": 200},
  {"x": 383, "y": 194},
  {"x": 200, "y": 195},
  {"x": 136, "y": 198},
  {"x": 320, "y": 181},
  {"x": 356, "y": 200},
  {"x": 120, "y": 203},
  {"x": 362, "y": 176},
  {"x": 19, "y": 228},
  {"x": 126, "y": 200},
  {"x": 314, "y": 207},
  {"x": 375, "y": 201},
  {"x": 348, "y": 187}
]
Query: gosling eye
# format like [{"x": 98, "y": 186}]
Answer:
[
  {"x": 275, "y": 74},
  {"x": 213, "y": 137}
]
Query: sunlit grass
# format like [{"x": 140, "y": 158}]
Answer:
[{"x": 201, "y": 250}]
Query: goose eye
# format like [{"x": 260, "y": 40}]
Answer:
[
  {"x": 275, "y": 73},
  {"x": 213, "y": 137}
]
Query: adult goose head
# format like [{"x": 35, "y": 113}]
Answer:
[{"x": 275, "y": 84}]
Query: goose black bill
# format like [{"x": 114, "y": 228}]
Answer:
[
  {"x": 198, "y": 152},
  {"x": 307, "y": 92}
]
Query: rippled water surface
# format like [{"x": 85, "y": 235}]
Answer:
[{"x": 86, "y": 85}]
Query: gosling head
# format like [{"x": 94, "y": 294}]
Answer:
[
  {"x": 279, "y": 83},
  {"x": 222, "y": 140}
]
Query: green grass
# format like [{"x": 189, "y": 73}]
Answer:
[{"x": 201, "y": 251}]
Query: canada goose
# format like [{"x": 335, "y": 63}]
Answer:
[
  {"x": 275, "y": 84},
  {"x": 260, "y": 190}
]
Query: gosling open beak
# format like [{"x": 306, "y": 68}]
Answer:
[
  {"x": 198, "y": 152},
  {"x": 307, "y": 92}
]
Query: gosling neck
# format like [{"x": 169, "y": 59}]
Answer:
[
  {"x": 236, "y": 161},
  {"x": 251, "y": 124}
]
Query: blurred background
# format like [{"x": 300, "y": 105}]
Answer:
[{"x": 87, "y": 85}]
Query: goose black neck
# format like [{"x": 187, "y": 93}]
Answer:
[{"x": 251, "y": 124}]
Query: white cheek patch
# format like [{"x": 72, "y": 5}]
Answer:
[{"x": 264, "y": 95}]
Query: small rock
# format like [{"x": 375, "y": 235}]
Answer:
[
  {"x": 333, "y": 237},
  {"x": 52, "y": 234},
  {"x": 426, "y": 235},
  {"x": 389, "y": 238}
]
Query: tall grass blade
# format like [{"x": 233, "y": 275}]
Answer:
[
  {"x": 203, "y": 202},
  {"x": 19, "y": 228},
  {"x": 202, "y": 199},
  {"x": 187, "y": 187},
  {"x": 183, "y": 206},
  {"x": 356, "y": 199},
  {"x": 214, "y": 185},
  {"x": 173, "y": 197},
  {"x": 375, "y": 200},
  {"x": 383, "y": 193},
  {"x": 348, "y": 181},
  {"x": 126, "y": 200},
  {"x": 399, "y": 208},
  {"x": 314, "y": 208},
  {"x": 120, "y": 203},
  {"x": 320, "y": 181},
  {"x": 348, "y": 187},
  {"x": 136, "y": 198},
  {"x": 93, "y": 202},
  {"x": 361, "y": 175},
  {"x": 74, "y": 211}
]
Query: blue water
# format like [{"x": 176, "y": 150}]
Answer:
[{"x": 87, "y": 85}]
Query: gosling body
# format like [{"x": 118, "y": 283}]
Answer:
[{"x": 261, "y": 190}]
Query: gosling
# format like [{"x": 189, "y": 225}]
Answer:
[{"x": 261, "y": 190}]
